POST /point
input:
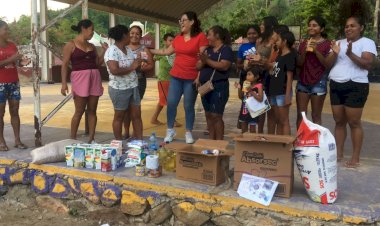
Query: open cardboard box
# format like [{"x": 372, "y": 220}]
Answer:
[
  {"x": 267, "y": 156},
  {"x": 192, "y": 165}
]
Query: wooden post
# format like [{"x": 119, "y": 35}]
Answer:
[{"x": 85, "y": 16}]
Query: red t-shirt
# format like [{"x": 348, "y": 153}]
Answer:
[
  {"x": 312, "y": 69},
  {"x": 8, "y": 73},
  {"x": 186, "y": 56}
]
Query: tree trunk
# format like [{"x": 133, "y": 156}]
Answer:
[{"x": 376, "y": 19}]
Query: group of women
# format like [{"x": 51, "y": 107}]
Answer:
[{"x": 199, "y": 58}]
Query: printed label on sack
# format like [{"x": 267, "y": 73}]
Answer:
[{"x": 307, "y": 137}]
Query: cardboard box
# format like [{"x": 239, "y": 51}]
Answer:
[
  {"x": 192, "y": 165},
  {"x": 267, "y": 156}
]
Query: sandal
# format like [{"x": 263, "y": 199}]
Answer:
[
  {"x": 177, "y": 124},
  {"x": 4, "y": 147},
  {"x": 157, "y": 123},
  {"x": 351, "y": 165},
  {"x": 21, "y": 146}
]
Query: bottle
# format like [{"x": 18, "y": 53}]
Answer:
[{"x": 153, "y": 143}]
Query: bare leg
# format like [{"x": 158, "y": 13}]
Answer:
[
  {"x": 244, "y": 127},
  {"x": 136, "y": 121},
  {"x": 354, "y": 116},
  {"x": 260, "y": 123},
  {"x": 340, "y": 118},
  {"x": 92, "y": 118},
  {"x": 3, "y": 145},
  {"x": 127, "y": 123},
  {"x": 15, "y": 119},
  {"x": 316, "y": 108},
  {"x": 117, "y": 124},
  {"x": 157, "y": 112},
  {"x": 271, "y": 121},
  {"x": 283, "y": 120},
  {"x": 80, "y": 105},
  {"x": 218, "y": 126},
  {"x": 302, "y": 100}
]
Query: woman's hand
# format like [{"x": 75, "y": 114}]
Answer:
[
  {"x": 349, "y": 48},
  {"x": 204, "y": 57},
  {"x": 64, "y": 89},
  {"x": 288, "y": 99},
  {"x": 335, "y": 47},
  {"x": 104, "y": 45},
  {"x": 197, "y": 83}
]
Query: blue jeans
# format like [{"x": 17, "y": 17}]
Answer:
[{"x": 176, "y": 89}]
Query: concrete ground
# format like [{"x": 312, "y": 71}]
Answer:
[{"x": 359, "y": 189}]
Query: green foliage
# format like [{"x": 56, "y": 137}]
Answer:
[{"x": 20, "y": 30}]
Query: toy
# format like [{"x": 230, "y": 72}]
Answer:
[{"x": 248, "y": 83}]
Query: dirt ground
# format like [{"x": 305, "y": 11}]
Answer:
[{"x": 19, "y": 207}]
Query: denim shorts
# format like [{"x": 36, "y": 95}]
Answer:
[
  {"x": 318, "y": 89},
  {"x": 216, "y": 100},
  {"x": 122, "y": 98},
  {"x": 9, "y": 91},
  {"x": 278, "y": 100}
]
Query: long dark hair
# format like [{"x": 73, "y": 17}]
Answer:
[
  {"x": 222, "y": 33},
  {"x": 321, "y": 22},
  {"x": 289, "y": 37},
  {"x": 196, "y": 27},
  {"x": 269, "y": 23},
  {"x": 118, "y": 32},
  {"x": 86, "y": 23}
]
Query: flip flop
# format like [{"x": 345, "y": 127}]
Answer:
[
  {"x": 21, "y": 146},
  {"x": 351, "y": 165},
  {"x": 339, "y": 159},
  {"x": 4, "y": 147}
]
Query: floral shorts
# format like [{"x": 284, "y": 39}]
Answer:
[{"x": 9, "y": 91}]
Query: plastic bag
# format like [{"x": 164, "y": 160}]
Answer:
[{"x": 316, "y": 158}]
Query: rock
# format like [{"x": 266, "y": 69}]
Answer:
[
  {"x": 226, "y": 220},
  {"x": 188, "y": 214},
  {"x": 133, "y": 204},
  {"x": 315, "y": 223},
  {"x": 3, "y": 190},
  {"x": 160, "y": 213},
  {"x": 52, "y": 204},
  {"x": 245, "y": 215},
  {"x": 267, "y": 221},
  {"x": 179, "y": 223}
]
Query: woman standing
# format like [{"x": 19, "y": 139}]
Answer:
[
  {"x": 9, "y": 85},
  {"x": 85, "y": 77},
  {"x": 215, "y": 61},
  {"x": 245, "y": 50},
  {"x": 139, "y": 51},
  {"x": 267, "y": 44},
  {"x": 187, "y": 46},
  {"x": 122, "y": 65},
  {"x": 312, "y": 59},
  {"x": 349, "y": 86}
]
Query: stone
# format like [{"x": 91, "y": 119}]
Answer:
[
  {"x": 226, "y": 220},
  {"x": 112, "y": 216},
  {"x": 267, "y": 221},
  {"x": 245, "y": 215},
  {"x": 315, "y": 223},
  {"x": 204, "y": 207},
  {"x": 89, "y": 189},
  {"x": 52, "y": 204},
  {"x": 61, "y": 189},
  {"x": 188, "y": 214},
  {"x": 160, "y": 213},
  {"x": 133, "y": 204},
  {"x": 111, "y": 195},
  {"x": 179, "y": 223},
  {"x": 3, "y": 190}
]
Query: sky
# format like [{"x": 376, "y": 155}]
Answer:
[{"x": 13, "y": 9}]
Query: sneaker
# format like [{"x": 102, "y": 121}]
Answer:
[
  {"x": 189, "y": 138},
  {"x": 170, "y": 134}
]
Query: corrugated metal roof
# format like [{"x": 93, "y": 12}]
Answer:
[{"x": 160, "y": 11}]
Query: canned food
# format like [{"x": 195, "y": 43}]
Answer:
[
  {"x": 154, "y": 173},
  {"x": 140, "y": 170}
]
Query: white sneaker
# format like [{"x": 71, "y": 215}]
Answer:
[
  {"x": 170, "y": 134},
  {"x": 189, "y": 138}
]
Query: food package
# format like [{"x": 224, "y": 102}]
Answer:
[
  {"x": 90, "y": 158},
  {"x": 69, "y": 153},
  {"x": 79, "y": 153},
  {"x": 316, "y": 158}
]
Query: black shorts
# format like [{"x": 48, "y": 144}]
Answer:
[
  {"x": 216, "y": 100},
  {"x": 351, "y": 94}
]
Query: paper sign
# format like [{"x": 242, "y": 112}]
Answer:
[{"x": 257, "y": 189}]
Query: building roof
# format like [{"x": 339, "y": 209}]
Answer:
[{"x": 159, "y": 11}]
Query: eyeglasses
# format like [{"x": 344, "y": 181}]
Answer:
[{"x": 182, "y": 21}]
